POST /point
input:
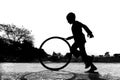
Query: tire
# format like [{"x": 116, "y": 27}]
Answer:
[{"x": 68, "y": 57}]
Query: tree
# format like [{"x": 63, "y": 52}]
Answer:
[
  {"x": 15, "y": 41},
  {"x": 15, "y": 33}
]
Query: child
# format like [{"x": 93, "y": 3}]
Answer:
[{"x": 79, "y": 41}]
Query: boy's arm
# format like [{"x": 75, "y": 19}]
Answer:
[
  {"x": 69, "y": 38},
  {"x": 89, "y": 32}
]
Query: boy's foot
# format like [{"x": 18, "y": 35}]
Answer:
[
  {"x": 92, "y": 70},
  {"x": 93, "y": 67},
  {"x": 87, "y": 65}
]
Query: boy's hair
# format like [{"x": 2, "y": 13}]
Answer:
[{"x": 71, "y": 16}]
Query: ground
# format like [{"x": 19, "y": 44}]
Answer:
[{"x": 55, "y": 75}]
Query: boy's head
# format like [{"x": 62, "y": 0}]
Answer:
[{"x": 71, "y": 17}]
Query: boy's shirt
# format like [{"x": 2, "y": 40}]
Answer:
[{"x": 78, "y": 35}]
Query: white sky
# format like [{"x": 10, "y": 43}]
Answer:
[{"x": 47, "y": 18}]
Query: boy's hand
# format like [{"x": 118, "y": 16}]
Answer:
[
  {"x": 90, "y": 35},
  {"x": 68, "y": 38}
]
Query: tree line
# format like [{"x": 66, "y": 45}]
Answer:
[{"x": 16, "y": 44}]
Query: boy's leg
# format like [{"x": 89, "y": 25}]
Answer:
[
  {"x": 74, "y": 50},
  {"x": 86, "y": 59}
]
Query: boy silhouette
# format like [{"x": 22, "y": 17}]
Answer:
[{"x": 79, "y": 41}]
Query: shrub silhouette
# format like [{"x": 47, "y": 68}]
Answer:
[{"x": 16, "y": 42}]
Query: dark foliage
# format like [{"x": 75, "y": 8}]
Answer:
[{"x": 16, "y": 44}]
